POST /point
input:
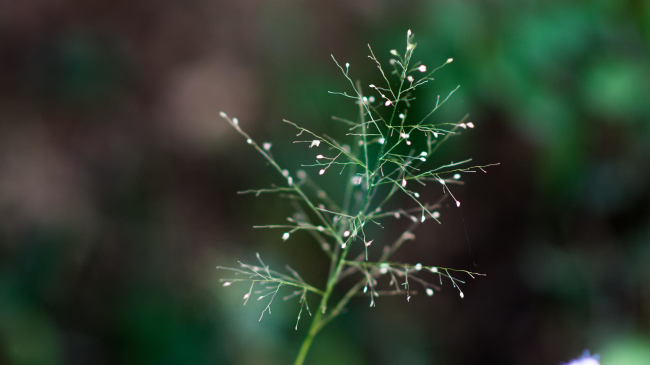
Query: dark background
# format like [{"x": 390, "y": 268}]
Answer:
[{"x": 118, "y": 179}]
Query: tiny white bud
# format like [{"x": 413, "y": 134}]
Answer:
[
  {"x": 365, "y": 288},
  {"x": 387, "y": 103},
  {"x": 394, "y": 52},
  {"x": 320, "y": 228},
  {"x": 470, "y": 124},
  {"x": 404, "y": 135},
  {"x": 463, "y": 125},
  {"x": 346, "y": 234},
  {"x": 223, "y": 115},
  {"x": 422, "y": 219},
  {"x": 418, "y": 266},
  {"x": 347, "y": 65},
  {"x": 408, "y": 33},
  {"x": 423, "y": 159},
  {"x": 227, "y": 283},
  {"x": 290, "y": 180},
  {"x": 435, "y": 134},
  {"x": 344, "y": 244},
  {"x": 302, "y": 174},
  {"x": 416, "y": 195},
  {"x": 429, "y": 292},
  {"x": 450, "y": 60},
  {"x": 368, "y": 243},
  {"x": 360, "y": 143},
  {"x": 371, "y": 99},
  {"x": 433, "y": 269},
  {"x": 462, "y": 295},
  {"x": 442, "y": 182},
  {"x": 383, "y": 270},
  {"x": 247, "y": 295},
  {"x": 322, "y": 171},
  {"x": 320, "y": 156},
  {"x": 285, "y": 173},
  {"x": 365, "y": 99},
  {"x": 249, "y": 141},
  {"x": 382, "y": 140},
  {"x": 401, "y": 116},
  {"x": 422, "y": 68},
  {"x": 410, "y": 78},
  {"x": 356, "y": 180},
  {"x": 456, "y": 176},
  {"x": 372, "y": 86},
  {"x": 392, "y": 61},
  {"x": 235, "y": 121},
  {"x": 315, "y": 142},
  {"x": 409, "y": 46},
  {"x": 423, "y": 153},
  {"x": 435, "y": 215},
  {"x": 458, "y": 204},
  {"x": 408, "y": 143},
  {"x": 285, "y": 236},
  {"x": 403, "y": 182},
  {"x": 267, "y": 146}
]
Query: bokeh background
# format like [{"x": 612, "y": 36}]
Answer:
[{"x": 118, "y": 179}]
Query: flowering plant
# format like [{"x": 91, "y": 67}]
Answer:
[{"x": 382, "y": 162}]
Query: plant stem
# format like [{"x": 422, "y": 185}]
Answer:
[{"x": 316, "y": 323}]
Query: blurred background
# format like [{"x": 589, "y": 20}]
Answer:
[{"x": 118, "y": 179}]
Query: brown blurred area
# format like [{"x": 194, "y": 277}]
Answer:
[{"x": 118, "y": 179}]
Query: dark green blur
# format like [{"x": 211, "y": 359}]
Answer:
[{"x": 118, "y": 179}]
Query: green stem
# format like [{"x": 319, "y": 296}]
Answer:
[{"x": 317, "y": 323}]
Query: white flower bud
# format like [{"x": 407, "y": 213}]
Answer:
[
  {"x": 429, "y": 292},
  {"x": 422, "y": 68},
  {"x": 285, "y": 236}
]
